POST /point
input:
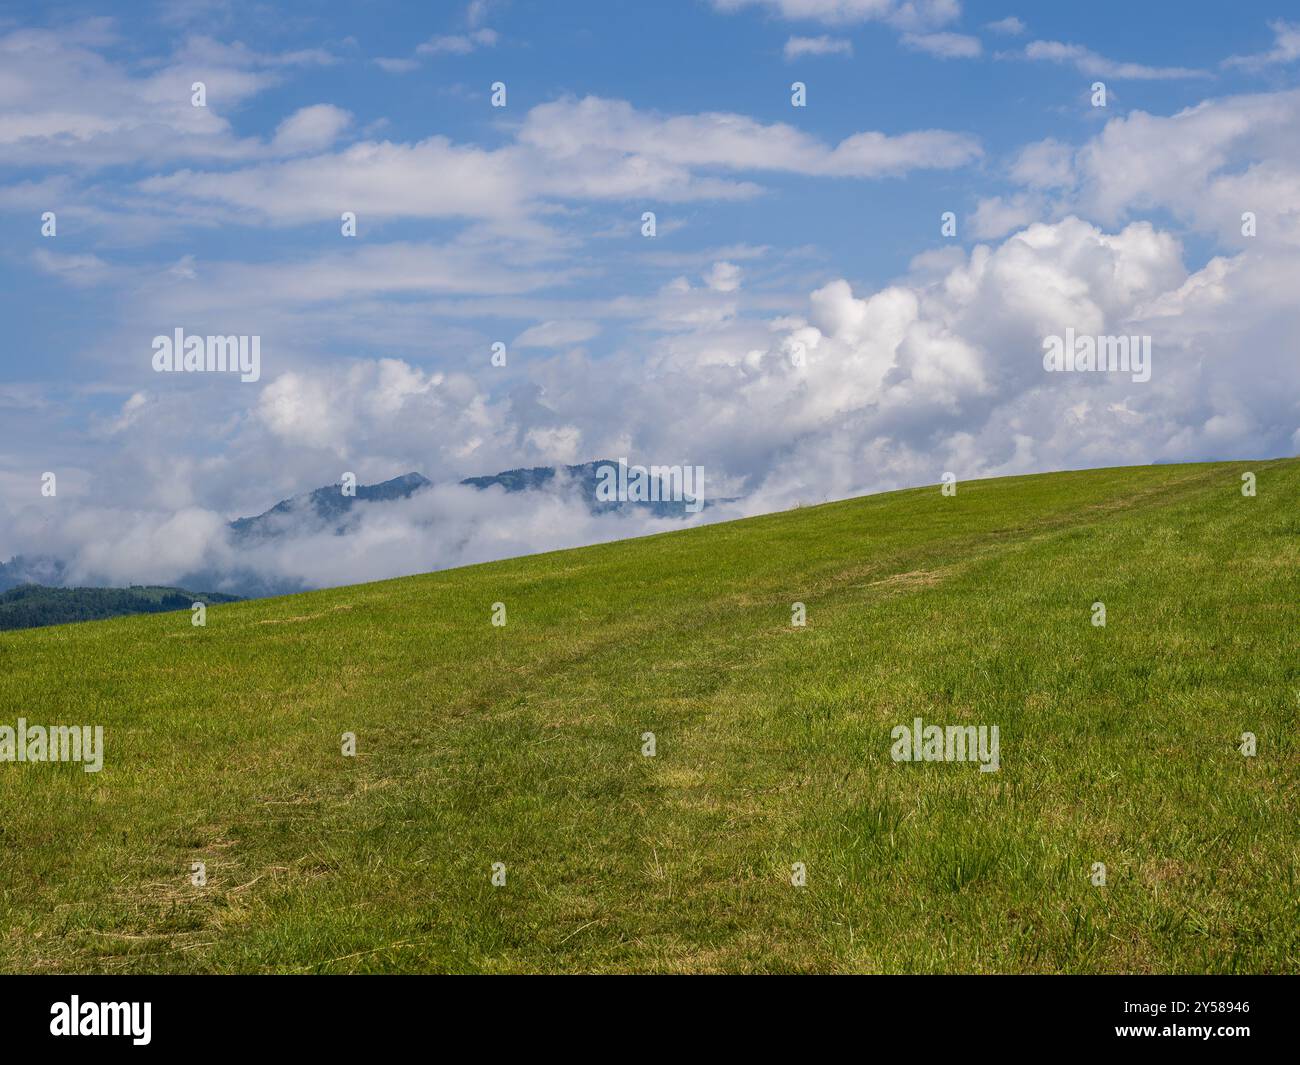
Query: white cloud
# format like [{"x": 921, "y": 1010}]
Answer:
[
  {"x": 1044, "y": 164},
  {"x": 559, "y": 444},
  {"x": 1207, "y": 165},
  {"x": 127, "y": 415},
  {"x": 432, "y": 178},
  {"x": 391, "y": 269},
  {"x": 571, "y": 129},
  {"x": 397, "y": 65},
  {"x": 798, "y": 47},
  {"x": 944, "y": 45},
  {"x": 1286, "y": 48},
  {"x": 310, "y": 129},
  {"x": 1089, "y": 62},
  {"x": 61, "y": 101},
  {"x": 1011, "y": 26},
  {"x": 369, "y": 407},
  {"x": 908, "y": 382},
  {"x": 570, "y": 149},
  {"x": 996, "y": 216},
  {"x": 76, "y": 269},
  {"x": 458, "y": 43},
  {"x": 556, "y": 334},
  {"x": 908, "y": 14},
  {"x": 723, "y": 277}
]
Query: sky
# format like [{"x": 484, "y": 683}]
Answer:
[{"x": 801, "y": 323}]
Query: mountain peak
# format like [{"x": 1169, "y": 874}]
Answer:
[{"x": 326, "y": 505}]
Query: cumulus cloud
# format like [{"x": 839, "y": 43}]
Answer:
[
  {"x": 1206, "y": 164},
  {"x": 376, "y": 407},
  {"x": 904, "y": 383}
]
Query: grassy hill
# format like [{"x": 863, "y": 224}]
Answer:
[{"x": 522, "y": 745}]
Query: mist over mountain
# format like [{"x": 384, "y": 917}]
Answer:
[
  {"x": 401, "y": 525},
  {"x": 331, "y": 508},
  {"x": 327, "y": 506},
  {"x": 30, "y": 569}
]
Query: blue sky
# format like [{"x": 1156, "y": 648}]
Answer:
[{"x": 779, "y": 228}]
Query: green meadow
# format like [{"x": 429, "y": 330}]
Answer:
[{"x": 523, "y": 745}]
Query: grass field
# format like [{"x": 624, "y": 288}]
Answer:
[{"x": 522, "y": 745}]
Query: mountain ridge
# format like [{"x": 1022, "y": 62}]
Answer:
[
  {"x": 328, "y": 508},
  {"x": 329, "y": 504}
]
